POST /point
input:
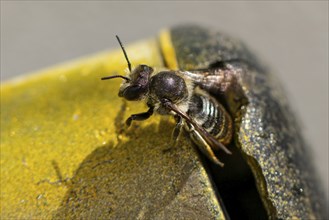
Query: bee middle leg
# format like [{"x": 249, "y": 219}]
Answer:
[{"x": 177, "y": 130}]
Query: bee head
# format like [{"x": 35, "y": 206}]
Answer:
[{"x": 137, "y": 86}]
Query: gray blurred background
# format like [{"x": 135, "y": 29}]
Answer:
[{"x": 290, "y": 36}]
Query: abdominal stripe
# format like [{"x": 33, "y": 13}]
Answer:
[{"x": 209, "y": 116}]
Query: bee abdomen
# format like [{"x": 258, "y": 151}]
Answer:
[{"x": 212, "y": 116}]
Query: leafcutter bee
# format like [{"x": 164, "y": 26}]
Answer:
[{"x": 182, "y": 94}]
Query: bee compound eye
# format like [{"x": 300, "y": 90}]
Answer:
[{"x": 133, "y": 93}]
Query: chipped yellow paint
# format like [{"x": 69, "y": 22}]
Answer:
[
  {"x": 50, "y": 122},
  {"x": 168, "y": 50}
]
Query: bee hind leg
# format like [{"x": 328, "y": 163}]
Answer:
[{"x": 203, "y": 146}]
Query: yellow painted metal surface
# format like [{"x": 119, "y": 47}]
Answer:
[
  {"x": 65, "y": 152},
  {"x": 52, "y": 120}
]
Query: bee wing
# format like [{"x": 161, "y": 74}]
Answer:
[{"x": 205, "y": 135}]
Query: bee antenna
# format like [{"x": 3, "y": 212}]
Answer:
[
  {"x": 115, "y": 76},
  {"x": 124, "y": 52}
]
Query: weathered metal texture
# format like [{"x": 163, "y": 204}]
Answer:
[
  {"x": 141, "y": 179},
  {"x": 66, "y": 155},
  {"x": 265, "y": 127}
]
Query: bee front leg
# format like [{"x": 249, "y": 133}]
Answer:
[{"x": 139, "y": 117}]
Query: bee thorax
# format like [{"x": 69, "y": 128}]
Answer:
[{"x": 167, "y": 85}]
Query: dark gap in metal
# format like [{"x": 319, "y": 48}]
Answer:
[{"x": 236, "y": 186}]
